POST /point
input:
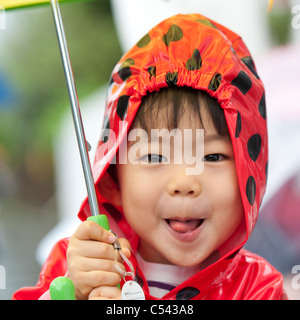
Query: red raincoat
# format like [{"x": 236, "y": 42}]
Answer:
[{"x": 193, "y": 51}]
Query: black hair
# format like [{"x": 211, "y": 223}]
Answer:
[{"x": 171, "y": 104}]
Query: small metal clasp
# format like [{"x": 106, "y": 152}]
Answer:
[
  {"x": 118, "y": 249},
  {"x": 116, "y": 244}
]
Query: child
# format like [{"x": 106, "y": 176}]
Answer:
[{"x": 181, "y": 221}]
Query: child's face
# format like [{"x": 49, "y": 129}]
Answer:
[{"x": 181, "y": 219}]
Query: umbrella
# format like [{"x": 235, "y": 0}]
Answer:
[
  {"x": 74, "y": 103},
  {"x": 12, "y": 4}
]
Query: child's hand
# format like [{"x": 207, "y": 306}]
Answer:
[
  {"x": 105, "y": 293},
  {"x": 90, "y": 258}
]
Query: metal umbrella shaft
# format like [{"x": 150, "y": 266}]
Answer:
[{"x": 75, "y": 109}]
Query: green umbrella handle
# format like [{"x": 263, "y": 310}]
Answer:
[{"x": 62, "y": 288}]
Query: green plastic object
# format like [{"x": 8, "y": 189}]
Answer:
[
  {"x": 101, "y": 219},
  {"x": 62, "y": 288}
]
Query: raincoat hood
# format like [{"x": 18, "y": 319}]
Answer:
[{"x": 193, "y": 51}]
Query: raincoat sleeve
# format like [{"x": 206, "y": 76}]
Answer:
[{"x": 54, "y": 266}]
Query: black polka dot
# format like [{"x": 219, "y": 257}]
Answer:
[
  {"x": 174, "y": 34},
  {"x": 238, "y": 127},
  {"x": 262, "y": 107},
  {"x": 144, "y": 41},
  {"x": 254, "y": 146},
  {"x": 124, "y": 71},
  {"x": 215, "y": 82},
  {"x": 171, "y": 78},
  {"x": 122, "y": 106},
  {"x": 242, "y": 82},
  {"x": 251, "y": 190},
  {"x": 187, "y": 293},
  {"x": 250, "y": 64},
  {"x": 105, "y": 130},
  {"x": 152, "y": 71},
  {"x": 195, "y": 62},
  {"x": 206, "y": 22}
]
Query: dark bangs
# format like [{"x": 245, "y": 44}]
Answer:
[{"x": 166, "y": 107}]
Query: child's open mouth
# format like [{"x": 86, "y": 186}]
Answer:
[{"x": 184, "y": 227}]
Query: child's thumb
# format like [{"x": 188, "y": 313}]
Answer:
[{"x": 90, "y": 230}]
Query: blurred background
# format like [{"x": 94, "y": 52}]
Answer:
[
  {"x": 33, "y": 106},
  {"x": 41, "y": 181}
]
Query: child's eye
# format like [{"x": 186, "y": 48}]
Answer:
[
  {"x": 214, "y": 157},
  {"x": 153, "y": 158}
]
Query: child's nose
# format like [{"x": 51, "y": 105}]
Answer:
[{"x": 184, "y": 185}]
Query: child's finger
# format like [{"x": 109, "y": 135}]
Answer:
[
  {"x": 85, "y": 282},
  {"x": 126, "y": 248},
  {"x": 89, "y": 264},
  {"x": 90, "y": 230},
  {"x": 99, "y": 278},
  {"x": 90, "y": 249},
  {"x": 105, "y": 292}
]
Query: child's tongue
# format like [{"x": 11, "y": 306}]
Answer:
[{"x": 184, "y": 226}]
